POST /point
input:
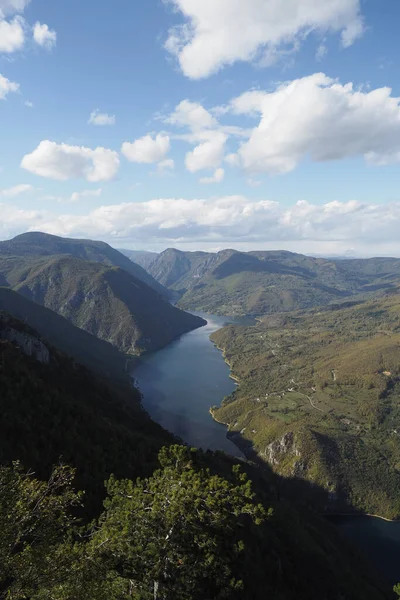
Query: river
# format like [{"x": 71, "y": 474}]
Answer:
[
  {"x": 378, "y": 540},
  {"x": 182, "y": 381}
]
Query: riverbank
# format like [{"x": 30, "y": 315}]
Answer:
[{"x": 358, "y": 514}]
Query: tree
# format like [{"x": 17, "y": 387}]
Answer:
[
  {"x": 34, "y": 521},
  {"x": 178, "y": 534}
]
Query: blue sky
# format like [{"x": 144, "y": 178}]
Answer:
[{"x": 250, "y": 124}]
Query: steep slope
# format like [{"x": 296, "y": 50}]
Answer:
[
  {"x": 35, "y": 244},
  {"x": 50, "y": 407},
  {"x": 88, "y": 350},
  {"x": 108, "y": 303},
  {"x": 140, "y": 257},
  {"x": 257, "y": 283},
  {"x": 319, "y": 399}
]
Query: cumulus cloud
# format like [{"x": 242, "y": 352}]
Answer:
[
  {"x": 10, "y": 7},
  {"x": 7, "y": 86},
  {"x": 98, "y": 118},
  {"x": 202, "y": 130},
  {"x": 317, "y": 117},
  {"x": 233, "y": 221},
  {"x": 43, "y": 36},
  {"x": 216, "y": 33},
  {"x": 16, "y": 190},
  {"x": 218, "y": 176},
  {"x": 192, "y": 115},
  {"x": 208, "y": 154},
  {"x": 12, "y": 35},
  {"x": 62, "y": 162},
  {"x": 146, "y": 149}
]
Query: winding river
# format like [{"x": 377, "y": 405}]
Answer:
[
  {"x": 181, "y": 382},
  {"x": 179, "y": 385}
]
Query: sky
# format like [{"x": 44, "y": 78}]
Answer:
[{"x": 248, "y": 124}]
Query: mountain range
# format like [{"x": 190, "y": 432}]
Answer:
[{"x": 256, "y": 283}]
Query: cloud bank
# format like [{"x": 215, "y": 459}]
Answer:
[{"x": 233, "y": 221}]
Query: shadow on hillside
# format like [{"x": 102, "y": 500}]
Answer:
[{"x": 296, "y": 488}]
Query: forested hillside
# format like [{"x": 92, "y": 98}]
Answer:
[
  {"x": 38, "y": 244},
  {"x": 257, "y": 283},
  {"x": 107, "y": 302},
  {"x": 319, "y": 399},
  {"x": 197, "y": 527},
  {"x": 96, "y": 354}
]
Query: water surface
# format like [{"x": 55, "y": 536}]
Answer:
[
  {"x": 377, "y": 540},
  {"x": 181, "y": 382}
]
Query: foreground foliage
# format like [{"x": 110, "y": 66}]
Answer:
[{"x": 175, "y": 535}]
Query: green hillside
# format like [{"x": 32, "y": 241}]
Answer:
[
  {"x": 50, "y": 407},
  {"x": 35, "y": 244},
  {"x": 257, "y": 283},
  {"x": 88, "y": 350},
  {"x": 319, "y": 399},
  {"x": 107, "y": 302}
]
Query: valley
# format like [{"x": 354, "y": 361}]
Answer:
[{"x": 305, "y": 397}]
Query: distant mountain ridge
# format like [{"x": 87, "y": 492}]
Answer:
[
  {"x": 259, "y": 282},
  {"x": 140, "y": 257}
]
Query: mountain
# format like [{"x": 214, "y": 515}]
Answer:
[
  {"x": 140, "y": 257},
  {"x": 107, "y": 302},
  {"x": 319, "y": 399},
  {"x": 37, "y": 244},
  {"x": 86, "y": 349},
  {"x": 51, "y": 408},
  {"x": 257, "y": 283}
]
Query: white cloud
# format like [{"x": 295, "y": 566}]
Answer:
[
  {"x": 208, "y": 154},
  {"x": 76, "y": 196},
  {"x": 10, "y": 7},
  {"x": 165, "y": 165},
  {"x": 60, "y": 161},
  {"x": 12, "y": 35},
  {"x": 319, "y": 118},
  {"x": 192, "y": 115},
  {"x": 218, "y": 176},
  {"x": 7, "y": 86},
  {"x": 16, "y": 190},
  {"x": 146, "y": 149},
  {"x": 28, "y": 104},
  {"x": 98, "y": 118},
  {"x": 43, "y": 36},
  {"x": 216, "y": 33},
  {"x": 233, "y": 221}
]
